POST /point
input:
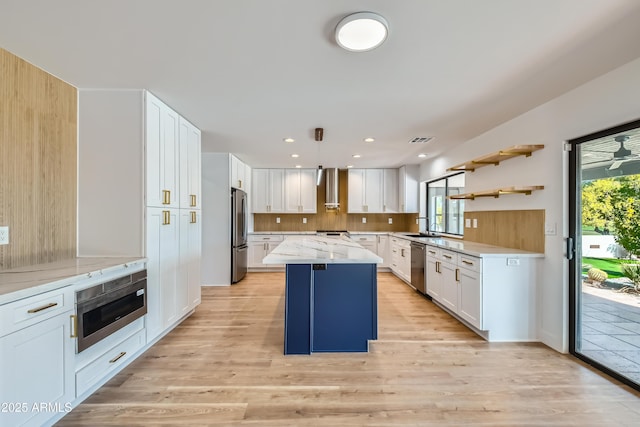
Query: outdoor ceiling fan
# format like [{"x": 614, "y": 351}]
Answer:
[{"x": 623, "y": 154}]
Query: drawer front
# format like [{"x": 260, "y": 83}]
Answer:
[
  {"x": 433, "y": 252},
  {"x": 107, "y": 362},
  {"x": 469, "y": 262},
  {"x": 29, "y": 311},
  {"x": 449, "y": 256},
  {"x": 364, "y": 239},
  {"x": 266, "y": 238}
]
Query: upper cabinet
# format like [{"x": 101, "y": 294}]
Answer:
[
  {"x": 365, "y": 188},
  {"x": 382, "y": 191},
  {"x": 268, "y": 191},
  {"x": 240, "y": 174},
  {"x": 163, "y": 153},
  {"x": 190, "y": 161},
  {"x": 408, "y": 188},
  {"x": 300, "y": 190}
]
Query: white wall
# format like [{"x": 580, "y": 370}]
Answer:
[
  {"x": 609, "y": 100},
  {"x": 216, "y": 219}
]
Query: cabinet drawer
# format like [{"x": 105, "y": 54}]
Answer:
[
  {"x": 433, "y": 252},
  {"x": 363, "y": 239},
  {"x": 266, "y": 238},
  {"x": 469, "y": 262},
  {"x": 28, "y": 311},
  {"x": 448, "y": 256},
  {"x": 107, "y": 362}
]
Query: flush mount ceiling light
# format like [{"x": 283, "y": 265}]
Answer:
[
  {"x": 369, "y": 139},
  {"x": 362, "y": 31},
  {"x": 422, "y": 155},
  {"x": 356, "y": 156},
  {"x": 289, "y": 140},
  {"x": 295, "y": 156}
]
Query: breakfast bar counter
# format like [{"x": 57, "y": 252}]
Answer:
[{"x": 331, "y": 302}]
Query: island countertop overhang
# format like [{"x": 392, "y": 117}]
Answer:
[{"x": 320, "y": 250}]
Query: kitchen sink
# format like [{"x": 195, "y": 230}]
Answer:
[{"x": 423, "y": 235}]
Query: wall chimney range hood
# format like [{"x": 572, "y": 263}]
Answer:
[{"x": 331, "y": 193}]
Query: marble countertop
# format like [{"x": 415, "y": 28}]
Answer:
[
  {"x": 320, "y": 250},
  {"x": 34, "y": 279},
  {"x": 470, "y": 248}
]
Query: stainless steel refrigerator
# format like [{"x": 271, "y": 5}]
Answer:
[{"x": 238, "y": 235}]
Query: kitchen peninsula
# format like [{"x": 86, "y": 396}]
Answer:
[{"x": 331, "y": 300}]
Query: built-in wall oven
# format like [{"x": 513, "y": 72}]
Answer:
[{"x": 103, "y": 309}]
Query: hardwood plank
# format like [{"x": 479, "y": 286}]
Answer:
[{"x": 225, "y": 365}]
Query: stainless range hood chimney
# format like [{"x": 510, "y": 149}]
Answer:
[{"x": 331, "y": 194}]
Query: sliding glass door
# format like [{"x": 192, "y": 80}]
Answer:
[{"x": 604, "y": 249}]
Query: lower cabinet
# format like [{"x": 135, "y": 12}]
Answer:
[
  {"x": 432, "y": 273},
  {"x": 261, "y": 245},
  {"x": 401, "y": 258},
  {"x": 37, "y": 372},
  {"x": 449, "y": 285},
  {"x": 384, "y": 251}
]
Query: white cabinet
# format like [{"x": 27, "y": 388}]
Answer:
[
  {"x": 367, "y": 241},
  {"x": 268, "y": 191},
  {"x": 163, "y": 253},
  {"x": 163, "y": 153},
  {"x": 36, "y": 358},
  {"x": 372, "y": 191},
  {"x": 469, "y": 284},
  {"x": 134, "y": 208},
  {"x": 449, "y": 289},
  {"x": 432, "y": 272},
  {"x": 190, "y": 166},
  {"x": 300, "y": 190},
  {"x": 261, "y": 245},
  {"x": 401, "y": 258},
  {"x": 390, "y": 191},
  {"x": 408, "y": 188},
  {"x": 189, "y": 267},
  {"x": 384, "y": 250},
  {"x": 240, "y": 174},
  {"x": 365, "y": 188}
]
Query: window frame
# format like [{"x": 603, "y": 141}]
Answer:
[{"x": 445, "y": 212}]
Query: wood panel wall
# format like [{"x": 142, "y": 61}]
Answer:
[
  {"x": 38, "y": 151},
  {"x": 519, "y": 229},
  {"x": 335, "y": 220}
]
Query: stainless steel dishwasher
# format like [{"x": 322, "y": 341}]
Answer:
[{"x": 418, "y": 257}]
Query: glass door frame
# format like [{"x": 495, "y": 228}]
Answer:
[{"x": 573, "y": 245}]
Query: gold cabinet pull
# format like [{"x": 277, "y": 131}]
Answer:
[
  {"x": 118, "y": 357},
  {"x": 447, "y": 256},
  {"x": 437, "y": 266},
  {"x": 193, "y": 200},
  {"x": 239, "y": 183},
  {"x": 193, "y": 217},
  {"x": 74, "y": 326},
  {"x": 166, "y": 217},
  {"x": 166, "y": 197},
  {"x": 457, "y": 274},
  {"x": 467, "y": 262},
  {"x": 44, "y": 307}
]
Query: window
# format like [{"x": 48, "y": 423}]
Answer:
[{"x": 445, "y": 215}]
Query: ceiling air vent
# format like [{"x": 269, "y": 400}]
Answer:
[{"x": 420, "y": 140}]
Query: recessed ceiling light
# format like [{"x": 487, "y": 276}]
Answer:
[
  {"x": 289, "y": 140},
  {"x": 369, "y": 139},
  {"x": 422, "y": 155},
  {"x": 298, "y": 166},
  {"x": 295, "y": 156},
  {"x": 356, "y": 156},
  {"x": 362, "y": 31},
  {"x": 349, "y": 166}
]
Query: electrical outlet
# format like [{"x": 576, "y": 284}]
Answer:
[
  {"x": 277, "y": 220},
  {"x": 364, "y": 220},
  {"x": 390, "y": 220},
  {"x": 513, "y": 262},
  {"x": 304, "y": 220},
  {"x": 550, "y": 228},
  {"x": 4, "y": 235},
  {"x": 475, "y": 222},
  {"x": 467, "y": 223}
]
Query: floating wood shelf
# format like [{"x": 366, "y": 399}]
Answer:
[
  {"x": 497, "y": 157},
  {"x": 498, "y": 192}
]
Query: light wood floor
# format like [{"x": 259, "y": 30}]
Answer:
[{"x": 224, "y": 366}]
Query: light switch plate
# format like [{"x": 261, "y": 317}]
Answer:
[
  {"x": 277, "y": 220},
  {"x": 4, "y": 235},
  {"x": 304, "y": 220},
  {"x": 467, "y": 223},
  {"x": 390, "y": 220},
  {"x": 550, "y": 229},
  {"x": 475, "y": 222},
  {"x": 364, "y": 220}
]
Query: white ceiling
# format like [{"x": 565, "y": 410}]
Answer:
[{"x": 252, "y": 72}]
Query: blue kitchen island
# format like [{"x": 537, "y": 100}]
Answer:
[{"x": 331, "y": 302}]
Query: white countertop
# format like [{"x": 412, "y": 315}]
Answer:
[
  {"x": 23, "y": 282},
  {"x": 471, "y": 248},
  {"x": 320, "y": 250}
]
